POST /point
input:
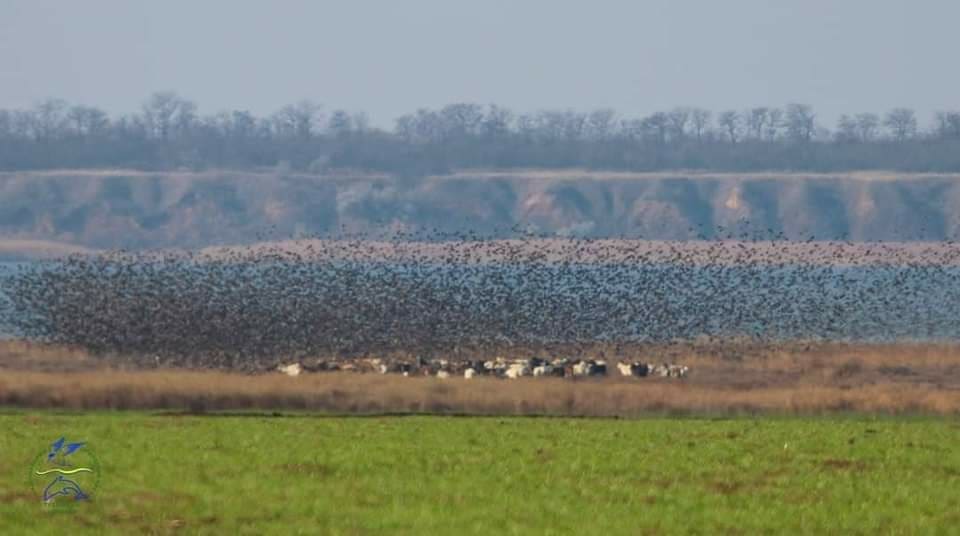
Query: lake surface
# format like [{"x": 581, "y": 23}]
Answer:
[{"x": 616, "y": 302}]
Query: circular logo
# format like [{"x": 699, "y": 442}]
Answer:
[{"x": 65, "y": 474}]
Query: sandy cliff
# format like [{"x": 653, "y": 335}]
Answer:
[{"x": 111, "y": 209}]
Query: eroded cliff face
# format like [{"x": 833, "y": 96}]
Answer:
[{"x": 147, "y": 210}]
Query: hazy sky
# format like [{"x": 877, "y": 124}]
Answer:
[{"x": 389, "y": 57}]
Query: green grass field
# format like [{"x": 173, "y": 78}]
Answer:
[{"x": 449, "y": 475}]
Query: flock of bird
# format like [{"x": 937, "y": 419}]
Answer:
[{"x": 453, "y": 297}]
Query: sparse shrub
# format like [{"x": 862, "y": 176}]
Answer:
[
  {"x": 848, "y": 369},
  {"x": 897, "y": 371}
]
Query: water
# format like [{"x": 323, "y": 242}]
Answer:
[{"x": 641, "y": 303}]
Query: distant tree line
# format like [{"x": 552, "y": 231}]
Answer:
[{"x": 169, "y": 133}]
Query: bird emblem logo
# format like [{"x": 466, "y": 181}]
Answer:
[{"x": 65, "y": 473}]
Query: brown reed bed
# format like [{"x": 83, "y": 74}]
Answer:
[
  {"x": 795, "y": 379},
  {"x": 339, "y": 393}
]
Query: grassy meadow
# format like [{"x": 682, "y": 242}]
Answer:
[{"x": 308, "y": 474}]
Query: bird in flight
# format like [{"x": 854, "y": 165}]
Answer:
[{"x": 59, "y": 451}]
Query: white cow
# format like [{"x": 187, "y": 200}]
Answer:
[
  {"x": 442, "y": 374},
  {"x": 293, "y": 369},
  {"x": 626, "y": 369},
  {"x": 542, "y": 370},
  {"x": 469, "y": 373},
  {"x": 517, "y": 370},
  {"x": 662, "y": 370}
]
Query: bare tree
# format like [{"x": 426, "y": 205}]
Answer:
[
  {"x": 496, "y": 122},
  {"x": 731, "y": 124},
  {"x": 677, "y": 119},
  {"x": 756, "y": 120},
  {"x": 774, "y": 124},
  {"x": 50, "y": 119},
  {"x": 406, "y": 127},
  {"x": 340, "y": 123},
  {"x": 461, "y": 119},
  {"x": 600, "y": 124},
  {"x": 948, "y": 125},
  {"x": 300, "y": 120},
  {"x": 656, "y": 126},
  {"x": 867, "y": 124},
  {"x": 846, "y": 130},
  {"x": 17, "y": 124},
  {"x": 169, "y": 132},
  {"x": 632, "y": 129},
  {"x": 700, "y": 120},
  {"x": 902, "y": 123},
  {"x": 361, "y": 122},
  {"x": 236, "y": 125},
  {"x": 88, "y": 121},
  {"x": 800, "y": 122},
  {"x": 527, "y": 125},
  {"x": 166, "y": 112},
  {"x": 6, "y": 124},
  {"x": 574, "y": 125},
  {"x": 185, "y": 118},
  {"x": 547, "y": 124}
]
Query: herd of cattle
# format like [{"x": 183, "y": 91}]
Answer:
[{"x": 496, "y": 368}]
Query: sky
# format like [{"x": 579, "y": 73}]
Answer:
[{"x": 391, "y": 57}]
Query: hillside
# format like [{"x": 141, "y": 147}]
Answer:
[{"x": 131, "y": 209}]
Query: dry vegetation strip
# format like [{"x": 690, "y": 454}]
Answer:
[
  {"x": 371, "y": 394},
  {"x": 889, "y": 379},
  {"x": 588, "y": 174},
  {"x": 690, "y": 252},
  {"x": 39, "y": 249}
]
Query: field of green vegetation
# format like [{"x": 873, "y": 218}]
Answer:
[{"x": 300, "y": 474}]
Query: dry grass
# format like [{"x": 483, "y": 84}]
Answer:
[
  {"x": 39, "y": 249},
  {"x": 588, "y": 174},
  {"x": 692, "y": 252},
  {"x": 890, "y": 379},
  {"x": 374, "y": 394}
]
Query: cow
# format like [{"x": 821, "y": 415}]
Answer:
[
  {"x": 396, "y": 367},
  {"x": 469, "y": 373},
  {"x": 476, "y": 365},
  {"x": 442, "y": 374},
  {"x": 543, "y": 370},
  {"x": 324, "y": 366},
  {"x": 293, "y": 369},
  {"x": 517, "y": 370},
  {"x": 662, "y": 370},
  {"x": 636, "y": 368}
]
